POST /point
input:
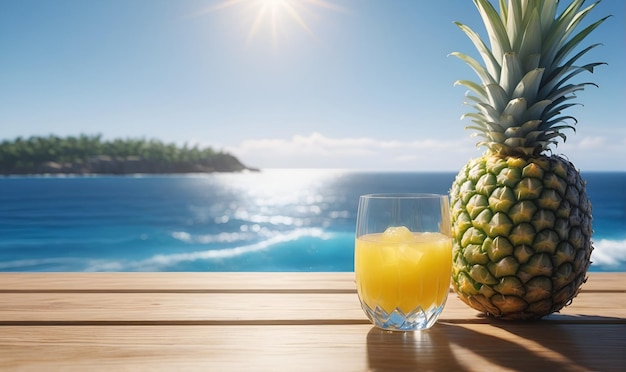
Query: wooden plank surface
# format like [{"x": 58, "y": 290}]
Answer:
[
  {"x": 282, "y": 321},
  {"x": 249, "y": 308},
  {"x": 178, "y": 282},
  {"x": 233, "y": 282},
  {"x": 446, "y": 347},
  {"x": 210, "y": 298}
]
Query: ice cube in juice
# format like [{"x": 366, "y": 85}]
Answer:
[{"x": 404, "y": 270}]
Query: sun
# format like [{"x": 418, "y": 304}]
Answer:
[
  {"x": 273, "y": 3},
  {"x": 273, "y": 13},
  {"x": 274, "y": 16}
]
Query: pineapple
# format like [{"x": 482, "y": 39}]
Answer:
[{"x": 521, "y": 218}]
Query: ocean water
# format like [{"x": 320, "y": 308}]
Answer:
[{"x": 275, "y": 220}]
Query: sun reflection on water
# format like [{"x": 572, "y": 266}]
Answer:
[{"x": 263, "y": 203}]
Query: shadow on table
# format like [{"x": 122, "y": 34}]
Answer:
[
  {"x": 411, "y": 351},
  {"x": 540, "y": 345},
  {"x": 593, "y": 343}
]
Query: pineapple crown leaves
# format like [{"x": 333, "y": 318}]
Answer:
[{"x": 525, "y": 74}]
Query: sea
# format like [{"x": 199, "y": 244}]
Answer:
[{"x": 287, "y": 220}]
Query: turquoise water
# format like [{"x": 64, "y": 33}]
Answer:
[{"x": 276, "y": 220}]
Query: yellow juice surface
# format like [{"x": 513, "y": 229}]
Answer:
[{"x": 401, "y": 269}]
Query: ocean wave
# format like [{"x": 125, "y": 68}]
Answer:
[
  {"x": 247, "y": 233},
  {"x": 60, "y": 263},
  {"x": 609, "y": 254},
  {"x": 186, "y": 237},
  {"x": 162, "y": 261}
]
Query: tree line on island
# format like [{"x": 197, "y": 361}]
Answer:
[{"x": 90, "y": 154}]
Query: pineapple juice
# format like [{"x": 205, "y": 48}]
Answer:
[{"x": 403, "y": 270}]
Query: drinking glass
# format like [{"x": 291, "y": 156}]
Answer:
[{"x": 403, "y": 259}]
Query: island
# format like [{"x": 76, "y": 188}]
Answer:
[{"x": 90, "y": 154}]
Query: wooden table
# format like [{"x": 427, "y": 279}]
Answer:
[{"x": 282, "y": 322}]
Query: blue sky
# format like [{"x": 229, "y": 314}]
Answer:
[{"x": 357, "y": 84}]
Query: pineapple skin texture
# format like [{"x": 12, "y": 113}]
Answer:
[{"x": 521, "y": 229}]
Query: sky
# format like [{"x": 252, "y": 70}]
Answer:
[{"x": 351, "y": 84}]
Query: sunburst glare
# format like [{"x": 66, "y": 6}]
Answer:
[{"x": 274, "y": 17}]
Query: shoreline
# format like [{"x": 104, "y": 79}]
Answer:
[
  {"x": 130, "y": 165},
  {"x": 130, "y": 175}
]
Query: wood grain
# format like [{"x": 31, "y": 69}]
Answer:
[
  {"x": 446, "y": 347},
  {"x": 216, "y": 282},
  {"x": 178, "y": 282},
  {"x": 282, "y": 321},
  {"x": 246, "y": 308}
]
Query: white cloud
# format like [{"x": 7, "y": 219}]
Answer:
[
  {"x": 592, "y": 143},
  {"x": 590, "y": 153},
  {"x": 319, "y": 151},
  {"x": 595, "y": 153}
]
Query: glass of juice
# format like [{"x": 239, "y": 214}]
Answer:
[{"x": 403, "y": 259}]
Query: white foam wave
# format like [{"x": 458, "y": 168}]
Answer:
[
  {"x": 208, "y": 239},
  {"x": 158, "y": 262},
  {"x": 247, "y": 233},
  {"x": 609, "y": 253},
  {"x": 34, "y": 262}
]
